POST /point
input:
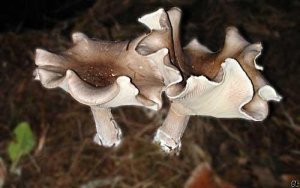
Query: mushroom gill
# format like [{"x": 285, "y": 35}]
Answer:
[{"x": 204, "y": 62}]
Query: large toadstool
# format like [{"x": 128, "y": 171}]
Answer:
[
  {"x": 224, "y": 84},
  {"x": 197, "y": 81},
  {"x": 104, "y": 75}
]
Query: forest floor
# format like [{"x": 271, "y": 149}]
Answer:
[{"x": 246, "y": 154}]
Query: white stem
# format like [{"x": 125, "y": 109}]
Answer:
[
  {"x": 108, "y": 132},
  {"x": 170, "y": 133}
]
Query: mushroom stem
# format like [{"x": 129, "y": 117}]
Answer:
[
  {"x": 108, "y": 132},
  {"x": 168, "y": 136}
]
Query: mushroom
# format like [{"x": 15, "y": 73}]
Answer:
[
  {"x": 224, "y": 84},
  {"x": 104, "y": 75}
]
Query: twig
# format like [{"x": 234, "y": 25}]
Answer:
[
  {"x": 231, "y": 134},
  {"x": 76, "y": 157},
  {"x": 290, "y": 119},
  {"x": 171, "y": 168},
  {"x": 33, "y": 161},
  {"x": 42, "y": 140}
]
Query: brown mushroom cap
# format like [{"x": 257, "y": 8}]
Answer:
[
  {"x": 203, "y": 61},
  {"x": 196, "y": 60},
  {"x": 95, "y": 69}
]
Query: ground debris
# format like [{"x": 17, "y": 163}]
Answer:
[{"x": 239, "y": 152}]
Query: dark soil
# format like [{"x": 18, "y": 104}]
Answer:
[{"x": 246, "y": 154}]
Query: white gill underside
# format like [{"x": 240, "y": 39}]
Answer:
[{"x": 223, "y": 100}]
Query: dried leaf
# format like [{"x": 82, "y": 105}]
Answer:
[{"x": 204, "y": 176}]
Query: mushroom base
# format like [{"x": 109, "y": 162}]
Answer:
[
  {"x": 108, "y": 132},
  {"x": 168, "y": 136}
]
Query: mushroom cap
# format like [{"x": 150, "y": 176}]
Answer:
[
  {"x": 107, "y": 74},
  {"x": 211, "y": 65},
  {"x": 231, "y": 76},
  {"x": 165, "y": 33},
  {"x": 136, "y": 72},
  {"x": 223, "y": 99}
]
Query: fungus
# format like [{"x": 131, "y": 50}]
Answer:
[
  {"x": 197, "y": 81},
  {"x": 224, "y": 84},
  {"x": 104, "y": 75}
]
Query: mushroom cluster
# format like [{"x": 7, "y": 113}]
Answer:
[{"x": 197, "y": 81}]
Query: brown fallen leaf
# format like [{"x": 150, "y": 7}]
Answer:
[{"x": 204, "y": 177}]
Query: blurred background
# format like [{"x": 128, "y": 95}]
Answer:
[{"x": 46, "y": 136}]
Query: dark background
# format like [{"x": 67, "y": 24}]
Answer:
[{"x": 246, "y": 154}]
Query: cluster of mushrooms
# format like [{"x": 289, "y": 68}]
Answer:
[{"x": 197, "y": 81}]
